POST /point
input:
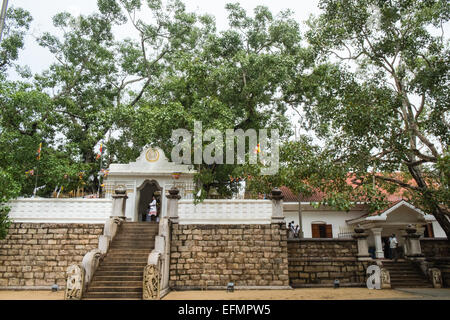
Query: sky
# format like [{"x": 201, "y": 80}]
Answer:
[{"x": 42, "y": 11}]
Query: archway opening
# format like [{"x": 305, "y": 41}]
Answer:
[{"x": 146, "y": 192}]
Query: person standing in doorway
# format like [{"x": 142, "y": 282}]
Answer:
[
  {"x": 393, "y": 244},
  {"x": 152, "y": 210}
]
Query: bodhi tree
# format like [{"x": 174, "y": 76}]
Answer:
[
  {"x": 16, "y": 24},
  {"x": 378, "y": 97},
  {"x": 232, "y": 81},
  {"x": 97, "y": 79}
]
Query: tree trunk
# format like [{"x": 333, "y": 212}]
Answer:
[
  {"x": 436, "y": 211},
  {"x": 442, "y": 219}
]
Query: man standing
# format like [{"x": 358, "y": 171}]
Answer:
[{"x": 393, "y": 244}]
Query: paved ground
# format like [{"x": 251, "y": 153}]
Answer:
[
  {"x": 429, "y": 293},
  {"x": 296, "y": 294},
  {"x": 305, "y": 294}
]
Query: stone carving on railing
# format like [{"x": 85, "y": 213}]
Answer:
[
  {"x": 75, "y": 282},
  {"x": 92, "y": 259},
  {"x": 90, "y": 262},
  {"x": 385, "y": 278},
  {"x": 152, "y": 278},
  {"x": 435, "y": 277}
]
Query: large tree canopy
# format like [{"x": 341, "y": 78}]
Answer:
[
  {"x": 372, "y": 85},
  {"x": 378, "y": 97}
]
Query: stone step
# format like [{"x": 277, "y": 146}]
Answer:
[
  {"x": 119, "y": 278},
  {"x": 150, "y": 238},
  {"x": 133, "y": 228},
  {"x": 128, "y": 251},
  {"x": 114, "y": 295},
  {"x": 113, "y": 253},
  {"x": 139, "y": 268},
  {"x": 119, "y": 289},
  {"x": 118, "y": 273},
  {"x": 119, "y": 259},
  {"x": 134, "y": 246},
  {"x": 411, "y": 285},
  {"x": 124, "y": 264},
  {"x": 412, "y": 277},
  {"x": 405, "y": 272},
  {"x": 116, "y": 283}
]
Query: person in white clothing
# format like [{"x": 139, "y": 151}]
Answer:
[
  {"x": 152, "y": 210},
  {"x": 393, "y": 244}
]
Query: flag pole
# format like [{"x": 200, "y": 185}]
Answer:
[
  {"x": 3, "y": 17},
  {"x": 37, "y": 170},
  {"x": 99, "y": 173}
]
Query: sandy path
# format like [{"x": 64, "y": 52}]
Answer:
[
  {"x": 31, "y": 295},
  {"x": 296, "y": 294}
]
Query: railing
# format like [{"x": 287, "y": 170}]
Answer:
[
  {"x": 225, "y": 212},
  {"x": 73, "y": 210}
]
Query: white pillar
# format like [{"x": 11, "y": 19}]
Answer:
[
  {"x": 119, "y": 203},
  {"x": 277, "y": 206},
  {"x": 172, "y": 204},
  {"x": 378, "y": 244}
]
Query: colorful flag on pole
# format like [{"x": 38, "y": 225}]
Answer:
[
  {"x": 38, "y": 154},
  {"x": 101, "y": 152},
  {"x": 257, "y": 149}
]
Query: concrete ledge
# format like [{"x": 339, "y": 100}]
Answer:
[
  {"x": 329, "y": 285},
  {"x": 164, "y": 292},
  {"x": 49, "y": 288},
  {"x": 321, "y": 239},
  {"x": 187, "y": 288},
  {"x": 324, "y": 259}
]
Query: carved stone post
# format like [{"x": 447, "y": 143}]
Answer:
[
  {"x": 385, "y": 278},
  {"x": 435, "y": 277},
  {"x": 119, "y": 203},
  {"x": 277, "y": 206},
  {"x": 412, "y": 241},
  {"x": 75, "y": 282},
  {"x": 172, "y": 204},
  {"x": 363, "y": 248}
]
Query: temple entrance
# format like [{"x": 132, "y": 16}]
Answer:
[{"x": 145, "y": 194}]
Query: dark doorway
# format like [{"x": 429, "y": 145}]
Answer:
[{"x": 146, "y": 192}]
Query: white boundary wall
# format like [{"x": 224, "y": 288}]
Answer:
[
  {"x": 225, "y": 212},
  {"x": 74, "y": 210}
]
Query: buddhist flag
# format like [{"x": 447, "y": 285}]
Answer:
[
  {"x": 101, "y": 151},
  {"x": 257, "y": 149},
  {"x": 38, "y": 154}
]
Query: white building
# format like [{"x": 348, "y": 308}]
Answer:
[{"x": 151, "y": 174}]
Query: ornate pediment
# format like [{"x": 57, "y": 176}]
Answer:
[{"x": 152, "y": 160}]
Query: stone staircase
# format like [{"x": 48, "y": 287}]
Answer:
[
  {"x": 404, "y": 274},
  {"x": 120, "y": 274}
]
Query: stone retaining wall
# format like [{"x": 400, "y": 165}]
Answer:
[
  {"x": 211, "y": 256},
  {"x": 435, "y": 247},
  {"x": 37, "y": 255},
  {"x": 318, "y": 262}
]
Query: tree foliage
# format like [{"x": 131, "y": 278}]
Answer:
[{"x": 378, "y": 97}]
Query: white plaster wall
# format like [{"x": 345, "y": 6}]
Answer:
[
  {"x": 74, "y": 210},
  {"x": 335, "y": 218},
  {"x": 225, "y": 211},
  {"x": 438, "y": 231}
]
